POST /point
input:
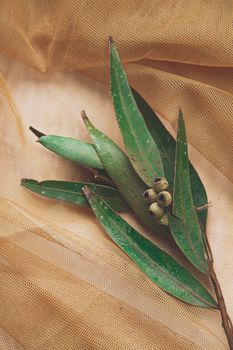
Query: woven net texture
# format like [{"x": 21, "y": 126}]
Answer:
[{"x": 63, "y": 284}]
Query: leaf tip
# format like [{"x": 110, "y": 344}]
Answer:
[
  {"x": 83, "y": 114},
  {"x": 85, "y": 117},
  {"x": 86, "y": 120},
  {"x": 36, "y": 132},
  {"x": 180, "y": 116},
  {"x": 22, "y": 181},
  {"x": 86, "y": 190},
  {"x": 110, "y": 40}
]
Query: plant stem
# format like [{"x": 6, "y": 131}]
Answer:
[{"x": 226, "y": 321}]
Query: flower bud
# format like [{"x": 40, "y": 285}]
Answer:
[
  {"x": 150, "y": 195},
  {"x": 156, "y": 210},
  {"x": 160, "y": 184},
  {"x": 164, "y": 198},
  {"x": 163, "y": 220}
]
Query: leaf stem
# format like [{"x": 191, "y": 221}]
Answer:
[
  {"x": 102, "y": 178},
  {"x": 226, "y": 321},
  {"x": 205, "y": 206}
]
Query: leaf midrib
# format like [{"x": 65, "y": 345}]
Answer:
[
  {"x": 182, "y": 201},
  {"x": 121, "y": 169},
  {"x": 190, "y": 241},
  {"x": 152, "y": 174},
  {"x": 72, "y": 192},
  {"x": 164, "y": 272}
]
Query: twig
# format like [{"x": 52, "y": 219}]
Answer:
[{"x": 226, "y": 321}]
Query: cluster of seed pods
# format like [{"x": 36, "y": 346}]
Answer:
[{"x": 159, "y": 199}]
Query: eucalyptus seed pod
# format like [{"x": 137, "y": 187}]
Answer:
[
  {"x": 163, "y": 220},
  {"x": 160, "y": 184},
  {"x": 150, "y": 195},
  {"x": 164, "y": 198},
  {"x": 156, "y": 210}
]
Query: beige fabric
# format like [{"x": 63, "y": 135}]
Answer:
[{"x": 63, "y": 283}]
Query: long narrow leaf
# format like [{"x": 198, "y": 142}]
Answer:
[
  {"x": 161, "y": 268},
  {"x": 190, "y": 240},
  {"x": 71, "y": 192},
  {"x": 167, "y": 148},
  {"x": 140, "y": 146},
  {"x": 72, "y": 149},
  {"x": 78, "y": 151},
  {"x": 122, "y": 173}
]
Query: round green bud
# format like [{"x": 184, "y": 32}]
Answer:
[
  {"x": 160, "y": 184},
  {"x": 156, "y": 210},
  {"x": 150, "y": 195},
  {"x": 164, "y": 198},
  {"x": 163, "y": 220}
]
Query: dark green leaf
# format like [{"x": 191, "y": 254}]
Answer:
[
  {"x": 140, "y": 146},
  {"x": 71, "y": 192},
  {"x": 167, "y": 148},
  {"x": 122, "y": 173},
  {"x": 161, "y": 268},
  {"x": 190, "y": 240}
]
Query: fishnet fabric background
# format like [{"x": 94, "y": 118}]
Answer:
[{"x": 63, "y": 283}]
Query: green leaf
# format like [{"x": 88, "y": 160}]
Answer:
[
  {"x": 72, "y": 149},
  {"x": 71, "y": 192},
  {"x": 78, "y": 151},
  {"x": 120, "y": 170},
  {"x": 190, "y": 239},
  {"x": 140, "y": 146},
  {"x": 167, "y": 148},
  {"x": 161, "y": 268}
]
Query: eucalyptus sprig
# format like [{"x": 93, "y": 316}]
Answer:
[{"x": 154, "y": 177}]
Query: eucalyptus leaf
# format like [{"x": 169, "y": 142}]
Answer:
[
  {"x": 189, "y": 240},
  {"x": 167, "y": 148},
  {"x": 161, "y": 268},
  {"x": 120, "y": 170},
  {"x": 72, "y": 149},
  {"x": 71, "y": 192},
  {"x": 76, "y": 150},
  {"x": 140, "y": 146}
]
